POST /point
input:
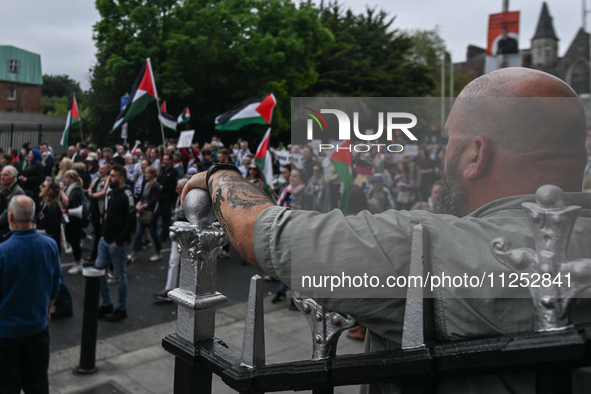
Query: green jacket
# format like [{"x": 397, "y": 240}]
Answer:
[{"x": 284, "y": 240}]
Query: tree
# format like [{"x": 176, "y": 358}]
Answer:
[
  {"x": 57, "y": 93},
  {"x": 367, "y": 57},
  {"x": 426, "y": 51},
  {"x": 208, "y": 55}
]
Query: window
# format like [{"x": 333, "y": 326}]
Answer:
[
  {"x": 13, "y": 66},
  {"x": 11, "y": 94}
]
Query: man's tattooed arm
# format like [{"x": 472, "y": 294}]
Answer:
[
  {"x": 217, "y": 204},
  {"x": 237, "y": 203},
  {"x": 241, "y": 194}
]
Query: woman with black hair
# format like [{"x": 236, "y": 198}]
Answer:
[{"x": 48, "y": 223}]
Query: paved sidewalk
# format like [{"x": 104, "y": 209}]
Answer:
[{"x": 136, "y": 363}]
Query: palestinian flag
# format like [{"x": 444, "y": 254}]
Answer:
[
  {"x": 263, "y": 158},
  {"x": 73, "y": 118},
  {"x": 255, "y": 110},
  {"x": 341, "y": 160},
  {"x": 143, "y": 93},
  {"x": 184, "y": 116},
  {"x": 166, "y": 119}
]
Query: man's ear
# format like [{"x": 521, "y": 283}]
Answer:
[{"x": 479, "y": 154}]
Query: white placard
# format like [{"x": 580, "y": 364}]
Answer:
[
  {"x": 411, "y": 150},
  {"x": 185, "y": 139},
  {"x": 283, "y": 156}
]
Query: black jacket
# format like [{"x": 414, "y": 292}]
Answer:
[
  {"x": 153, "y": 196},
  {"x": 119, "y": 219},
  {"x": 167, "y": 179}
]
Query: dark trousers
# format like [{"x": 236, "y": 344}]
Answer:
[
  {"x": 23, "y": 364},
  {"x": 73, "y": 232}
]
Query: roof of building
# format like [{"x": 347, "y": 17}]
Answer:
[
  {"x": 27, "y": 68},
  {"x": 545, "y": 28}
]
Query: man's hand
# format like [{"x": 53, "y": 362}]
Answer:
[
  {"x": 236, "y": 203},
  {"x": 196, "y": 181},
  {"x": 49, "y": 311},
  {"x": 115, "y": 245}
]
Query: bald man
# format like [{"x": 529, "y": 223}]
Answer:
[
  {"x": 30, "y": 274},
  {"x": 508, "y": 135}
]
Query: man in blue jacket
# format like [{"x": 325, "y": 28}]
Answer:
[{"x": 29, "y": 280}]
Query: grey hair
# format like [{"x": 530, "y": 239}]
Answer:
[
  {"x": 13, "y": 171},
  {"x": 182, "y": 182},
  {"x": 22, "y": 208}
]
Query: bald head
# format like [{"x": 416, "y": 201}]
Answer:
[
  {"x": 517, "y": 82},
  {"x": 510, "y": 132},
  {"x": 522, "y": 110}
]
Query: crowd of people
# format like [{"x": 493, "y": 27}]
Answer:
[
  {"x": 126, "y": 197},
  {"x": 72, "y": 191}
]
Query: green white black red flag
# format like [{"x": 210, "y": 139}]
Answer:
[
  {"x": 184, "y": 116},
  {"x": 73, "y": 118},
  {"x": 263, "y": 158},
  {"x": 165, "y": 118},
  {"x": 255, "y": 110},
  {"x": 341, "y": 160},
  {"x": 143, "y": 93}
]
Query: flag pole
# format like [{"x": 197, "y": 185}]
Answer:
[
  {"x": 157, "y": 101},
  {"x": 161, "y": 128}
]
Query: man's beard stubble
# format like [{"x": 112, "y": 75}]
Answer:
[{"x": 452, "y": 196}]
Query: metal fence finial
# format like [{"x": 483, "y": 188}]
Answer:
[
  {"x": 199, "y": 243},
  {"x": 551, "y": 223}
]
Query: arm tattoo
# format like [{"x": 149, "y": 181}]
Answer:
[
  {"x": 242, "y": 194},
  {"x": 239, "y": 194},
  {"x": 217, "y": 207}
]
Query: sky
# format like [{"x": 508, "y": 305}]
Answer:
[{"x": 61, "y": 30}]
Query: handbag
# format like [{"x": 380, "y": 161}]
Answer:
[{"x": 146, "y": 217}]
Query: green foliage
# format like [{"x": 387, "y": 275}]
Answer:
[
  {"x": 367, "y": 57},
  {"x": 57, "y": 93},
  {"x": 208, "y": 55},
  {"x": 55, "y": 105},
  {"x": 212, "y": 54}
]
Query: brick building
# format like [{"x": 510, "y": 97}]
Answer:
[{"x": 20, "y": 80}]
